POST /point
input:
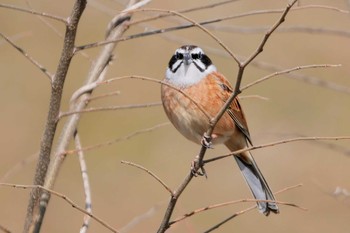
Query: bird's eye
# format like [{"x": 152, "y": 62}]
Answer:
[
  {"x": 196, "y": 56},
  {"x": 179, "y": 56}
]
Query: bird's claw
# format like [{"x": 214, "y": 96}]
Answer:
[
  {"x": 197, "y": 169},
  {"x": 206, "y": 142}
]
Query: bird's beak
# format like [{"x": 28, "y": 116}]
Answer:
[{"x": 187, "y": 58}]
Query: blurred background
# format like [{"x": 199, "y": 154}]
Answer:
[{"x": 292, "y": 106}]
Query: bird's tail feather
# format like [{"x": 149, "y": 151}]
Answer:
[{"x": 257, "y": 183}]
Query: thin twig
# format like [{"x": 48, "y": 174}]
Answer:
[
  {"x": 20, "y": 9},
  {"x": 300, "y": 29},
  {"x": 160, "y": 82},
  {"x": 271, "y": 67},
  {"x": 117, "y": 140},
  {"x": 136, "y": 6},
  {"x": 253, "y": 96},
  {"x": 150, "y": 173},
  {"x": 110, "y": 108},
  {"x": 231, "y": 203},
  {"x": 86, "y": 184},
  {"x": 235, "y": 202},
  {"x": 276, "y": 143},
  {"x": 140, "y": 218},
  {"x": 187, "y": 10},
  {"x": 4, "y": 229},
  {"x": 97, "y": 97},
  {"x": 26, "y": 55},
  {"x": 65, "y": 198},
  {"x": 216, "y": 226},
  {"x": 193, "y": 23},
  {"x": 17, "y": 36},
  {"x": 186, "y": 26},
  {"x": 286, "y": 72},
  {"x": 90, "y": 86},
  {"x": 305, "y": 78},
  {"x": 176, "y": 28},
  {"x": 52, "y": 27},
  {"x": 19, "y": 166}
]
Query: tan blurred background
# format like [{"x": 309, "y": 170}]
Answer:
[{"x": 121, "y": 193}]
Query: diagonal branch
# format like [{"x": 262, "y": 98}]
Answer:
[
  {"x": 286, "y": 72},
  {"x": 216, "y": 226},
  {"x": 117, "y": 140},
  {"x": 284, "y": 141},
  {"x": 65, "y": 198},
  {"x": 17, "y": 8},
  {"x": 187, "y": 10},
  {"x": 150, "y": 173},
  {"x": 210, "y": 207},
  {"x": 26, "y": 55}
]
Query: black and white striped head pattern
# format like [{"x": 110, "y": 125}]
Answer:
[{"x": 188, "y": 66}]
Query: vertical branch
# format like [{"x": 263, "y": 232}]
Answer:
[
  {"x": 95, "y": 74},
  {"x": 51, "y": 122},
  {"x": 86, "y": 183}
]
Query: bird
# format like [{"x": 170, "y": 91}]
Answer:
[{"x": 192, "y": 93}]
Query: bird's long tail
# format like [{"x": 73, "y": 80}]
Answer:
[{"x": 256, "y": 183}]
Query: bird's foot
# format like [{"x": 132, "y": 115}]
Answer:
[
  {"x": 206, "y": 141},
  {"x": 197, "y": 168}
]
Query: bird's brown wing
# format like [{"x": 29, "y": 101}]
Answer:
[{"x": 235, "y": 110}]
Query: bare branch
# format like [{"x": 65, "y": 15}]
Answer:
[
  {"x": 99, "y": 65},
  {"x": 300, "y": 29},
  {"x": 138, "y": 219},
  {"x": 97, "y": 97},
  {"x": 136, "y": 6},
  {"x": 322, "y": 7},
  {"x": 111, "y": 108},
  {"x": 16, "y": 37},
  {"x": 65, "y": 198},
  {"x": 206, "y": 22},
  {"x": 187, "y": 10},
  {"x": 26, "y": 55},
  {"x": 19, "y": 166},
  {"x": 277, "y": 143},
  {"x": 305, "y": 78},
  {"x": 35, "y": 213},
  {"x": 236, "y": 202},
  {"x": 194, "y": 23},
  {"x": 86, "y": 184},
  {"x": 216, "y": 226},
  {"x": 20, "y": 9},
  {"x": 200, "y": 27},
  {"x": 253, "y": 96},
  {"x": 286, "y": 72},
  {"x": 4, "y": 229},
  {"x": 230, "y": 203},
  {"x": 156, "y": 81},
  {"x": 312, "y": 80},
  {"x": 117, "y": 140},
  {"x": 150, "y": 173}
]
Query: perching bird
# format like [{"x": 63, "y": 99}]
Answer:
[{"x": 203, "y": 92}]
